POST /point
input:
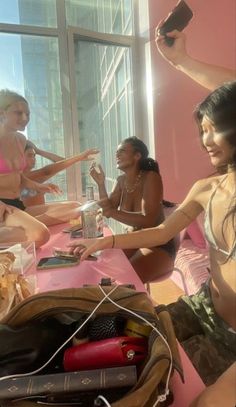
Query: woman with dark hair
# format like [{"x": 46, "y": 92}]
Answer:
[
  {"x": 31, "y": 197},
  {"x": 137, "y": 202},
  {"x": 205, "y": 323}
]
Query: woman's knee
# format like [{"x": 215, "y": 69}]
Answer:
[
  {"x": 40, "y": 234},
  {"x": 25, "y": 227},
  {"x": 32, "y": 229}
]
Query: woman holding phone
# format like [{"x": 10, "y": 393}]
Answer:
[{"x": 205, "y": 323}]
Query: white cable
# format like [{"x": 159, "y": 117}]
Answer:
[
  {"x": 162, "y": 397},
  {"x": 104, "y": 400},
  {"x": 68, "y": 340}
]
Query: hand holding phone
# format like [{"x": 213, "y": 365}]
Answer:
[
  {"x": 64, "y": 254},
  {"x": 178, "y": 19}
]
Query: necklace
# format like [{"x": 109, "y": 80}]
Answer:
[{"x": 133, "y": 187}]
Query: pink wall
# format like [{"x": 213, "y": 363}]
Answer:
[{"x": 211, "y": 37}]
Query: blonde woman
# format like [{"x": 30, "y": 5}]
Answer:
[{"x": 14, "y": 116}]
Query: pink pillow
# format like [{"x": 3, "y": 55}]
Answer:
[{"x": 196, "y": 235}]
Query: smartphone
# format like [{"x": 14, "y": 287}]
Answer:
[
  {"x": 178, "y": 19},
  {"x": 76, "y": 233},
  {"x": 63, "y": 254},
  {"x": 73, "y": 228},
  {"x": 56, "y": 262}
]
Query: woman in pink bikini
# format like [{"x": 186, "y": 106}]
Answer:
[{"x": 29, "y": 222}]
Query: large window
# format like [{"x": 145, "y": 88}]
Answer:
[
  {"x": 31, "y": 67},
  {"x": 40, "y": 13},
  {"x": 73, "y": 61},
  {"x": 104, "y": 101},
  {"x": 106, "y": 16}
]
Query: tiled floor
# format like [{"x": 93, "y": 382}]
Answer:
[{"x": 165, "y": 291}]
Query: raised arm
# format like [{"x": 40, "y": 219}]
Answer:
[
  {"x": 108, "y": 203},
  {"x": 99, "y": 177},
  {"x": 43, "y": 174},
  {"x": 207, "y": 75},
  {"x": 46, "y": 154}
]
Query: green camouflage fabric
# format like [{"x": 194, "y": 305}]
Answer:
[{"x": 204, "y": 336}]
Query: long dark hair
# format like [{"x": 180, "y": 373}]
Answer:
[
  {"x": 220, "y": 109},
  {"x": 146, "y": 163}
]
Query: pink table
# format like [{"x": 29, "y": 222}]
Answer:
[
  {"x": 114, "y": 264},
  {"x": 111, "y": 263}
]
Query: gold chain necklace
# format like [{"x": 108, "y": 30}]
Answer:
[{"x": 135, "y": 184}]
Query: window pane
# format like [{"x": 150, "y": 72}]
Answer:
[
  {"x": 29, "y": 12},
  {"x": 31, "y": 67},
  {"x": 105, "y": 118},
  {"x": 106, "y": 16}
]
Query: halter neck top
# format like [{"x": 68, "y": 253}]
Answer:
[{"x": 208, "y": 227}]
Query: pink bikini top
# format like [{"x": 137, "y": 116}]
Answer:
[{"x": 4, "y": 166}]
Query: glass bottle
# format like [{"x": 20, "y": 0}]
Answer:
[{"x": 91, "y": 215}]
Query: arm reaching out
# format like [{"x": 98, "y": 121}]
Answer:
[
  {"x": 46, "y": 154},
  {"x": 43, "y": 174},
  {"x": 207, "y": 75},
  {"x": 177, "y": 221}
]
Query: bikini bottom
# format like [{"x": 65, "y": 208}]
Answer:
[
  {"x": 169, "y": 247},
  {"x": 17, "y": 203}
]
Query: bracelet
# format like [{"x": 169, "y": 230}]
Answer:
[{"x": 113, "y": 242}]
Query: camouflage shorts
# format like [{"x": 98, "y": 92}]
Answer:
[{"x": 204, "y": 336}]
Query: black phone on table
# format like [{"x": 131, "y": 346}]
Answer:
[
  {"x": 178, "y": 19},
  {"x": 56, "y": 262}
]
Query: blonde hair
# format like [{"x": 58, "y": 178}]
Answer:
[{"x": 8, "y": 97}]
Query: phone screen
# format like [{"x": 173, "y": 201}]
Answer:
[
  {"x": 76, "y": 234},
  {"x": 55, "y": 262}
]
